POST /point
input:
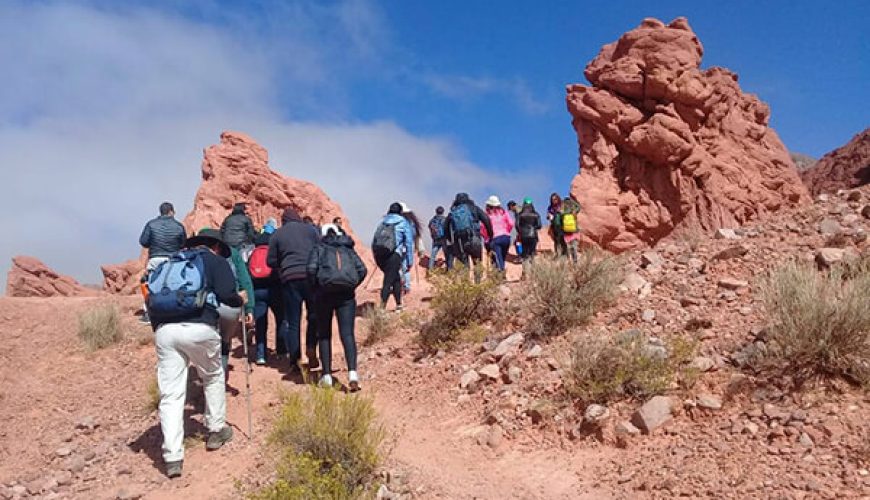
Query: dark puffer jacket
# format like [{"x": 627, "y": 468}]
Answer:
[
  {"x": 291, "y": 246},
  {"x": 237, "y": 229},
  {"x": 162, "y": 236}
]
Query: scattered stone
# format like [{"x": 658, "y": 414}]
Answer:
[
  {"x": 384, "y": 493},
  {"x": 648, "y": 315},
  {"x": 495, "y": 437},
  {"x": 806, "y": 441},
  {"x": 733, "y": 252},
  {"x": 75, "y": 464},
  {"x": 726, "y": 234},
  {"x": 514, "y": 375},
  {"x": 491, "y": 371},
  {"x": 853, "y": 196},
  {"x": 827, "y": 257},
  {"x": 535, "y": 351},
  {"x": 651, "y": 260},
  {"x": 751, "y": 428},
  {"x": 87, "y": 423},
  {"x": 553, "y": 364},
  {"x": 702, "y": 323},
  {"x": 709, "y": 402},
  {"x": 129, "y": 493},
  {"x": 703, "y": 364},
  {"x": 596, "y": 414},
  {"x": 18, "y": 490},
  {"x": 635, "y": 283},
  {"x": 732, "y": 283},
  {"x": 866, "y": 211},
  {"x": 63, "y": 451},
  {"x": 469, "y": 379},
  {"x": 124, "y": 470},
  {"x": 508, "y": 344},
  {"x": 626, "y": 428},
  {"x": 63, "y": 478},
  {"x": 653, "y": 414},
  {"x": 830, "y": 227},
  {"x": 541, "y": 410}
]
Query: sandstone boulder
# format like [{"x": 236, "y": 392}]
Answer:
[
  {"x": 846, "y": 167},
  {"x": 664, "y": 144},
  {"x": 237, "y": 170},
  {"x": 29, "y": 277}
]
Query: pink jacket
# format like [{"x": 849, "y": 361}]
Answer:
[{"x": 502, "y": 225}]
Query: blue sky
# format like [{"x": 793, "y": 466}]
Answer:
[{"x": 107, "y": 105}]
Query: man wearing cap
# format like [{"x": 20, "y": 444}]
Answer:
[{"x": 195, "y": 340}]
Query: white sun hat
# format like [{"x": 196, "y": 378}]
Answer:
[{"x": 493, "y": 201}]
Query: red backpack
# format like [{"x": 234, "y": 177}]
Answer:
[{"x": 257, "y": 265}]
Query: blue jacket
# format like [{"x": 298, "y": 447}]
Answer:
[{"x": 404, "y": 238}]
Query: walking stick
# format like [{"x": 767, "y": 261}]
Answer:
[{"x": 247, "y": 373}]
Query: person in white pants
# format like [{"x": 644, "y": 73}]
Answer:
[{"x": 194, "y": 339}]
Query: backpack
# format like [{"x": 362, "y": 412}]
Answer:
[
  {"x": 177, "y": 288},
  {"x": 463, "y": 219},
  {"x": 336, "y": 271},
  {"x": 384, "y": 243},
  {"x": 436, "y": 228},
  {"x": 257, "y": 265},
  {"x": 569, "y": 223}
]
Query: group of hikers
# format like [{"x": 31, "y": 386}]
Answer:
[{"x": 204, "y": 290}]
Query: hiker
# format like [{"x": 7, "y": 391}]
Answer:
[
  {"x": 502, "y": 225},
  {"x": 335, "y": 271},
  {"x": 464, "y": 231},
  {"x": 514, "y": 211},
  {"x": 438, "y": 232},
  {"x": 186, "y": 332},
  {"x": 417, "y": 238},
  {"x": 554, "y": 216},
  {"x": 162, "y": 236},
  {"x": 289, "y": 249},
  {"x": 528, "y": 225},
  {"x": 267, "y": 295},
  {"x": 237, "y": 228},
  {"x": 570, "y": 229},
  {"x": 337, "y": 223},
  {"x": 393, "y": 248}
]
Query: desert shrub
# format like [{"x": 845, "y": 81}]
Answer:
[
  {"x": 459, "y": 307},
  {"x": 330, "y": 445},
  {"x": 820, "y": 322},
  {"x": 559, "y": 295},
  {"x": 152, "y": 393},
  {"x": 605, "y": 367},
  {"x": 100, "y": 326},
  {"x": 380, "y": 324}
]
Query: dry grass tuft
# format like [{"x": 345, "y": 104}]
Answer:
[{"x": 100, "y": 326}]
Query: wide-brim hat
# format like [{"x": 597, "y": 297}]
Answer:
[
  {"x": 208, "y": 237},
  {"x": 493, "y": 201}
]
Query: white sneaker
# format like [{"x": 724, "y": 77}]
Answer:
[
  {"x": 353, "y": 381},
  {"x": 325, "y": 381}
]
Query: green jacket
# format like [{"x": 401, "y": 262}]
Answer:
[{"x": 243, "y": 278}]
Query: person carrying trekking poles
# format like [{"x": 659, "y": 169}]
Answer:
[
  {"x": 184, "y": 293},
  {"x": 438, "y": 232},
  {"x": 502, "y": 225},
  {"x": 237, "y": 229},
  {"x": 267, "y": 295},
  {"x": 162, "y": 236},
  {"x": 393, "y": 248},
  {"x": 335, "y": 271},
  {"x": 463, "y": 229}
]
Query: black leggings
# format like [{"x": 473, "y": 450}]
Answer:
[
  {"x": 344, "y": 308},
  {"x": 391, "y": 265}
]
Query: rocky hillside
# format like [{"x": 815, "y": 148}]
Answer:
[
  {"x": 801, "y": 161},
  {"x": 846, "y": 167},
  {"x": 665, "y": 144},
  {"x": 29, "y": 277}
]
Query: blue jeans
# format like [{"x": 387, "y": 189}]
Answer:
[
  {"x": 436, "y": 247},
  {"x": 297, "y": 292},
  {"x": 265, "y": 299},
  {"x": 500, "y": 246}
]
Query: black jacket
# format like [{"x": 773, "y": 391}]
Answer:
[
  {"x": 290, "y": 248},
  {"x": 528, "y": 225},
  {"x": 237, "y": 229},
  {"x": 331, "y": 241},
  {"x": 162, "y": 236},
  {"x": 477, "y": 214},
  {"x": 220, "y": 280}
]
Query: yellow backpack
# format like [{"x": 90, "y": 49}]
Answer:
[{"x": 569, "y": 223}]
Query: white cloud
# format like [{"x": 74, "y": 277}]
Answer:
[
  {"x": 468, "y": 88},
  {"x": 105, "y": 113}
]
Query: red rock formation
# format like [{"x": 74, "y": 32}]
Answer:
[
  {"x": 846, "y": 167},
  {"x": 237, "y": 170},
  {"x": 665, "y": 144},
  {"x": 29, "y": 277}
]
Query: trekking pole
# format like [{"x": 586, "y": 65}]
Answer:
[{"x": 247, "y": 372}]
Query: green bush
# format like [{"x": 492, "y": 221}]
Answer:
[
  {"x": 820, "y": 322},
  {"x": 559, "y": 295},
  {"x": 100, "y": 326},
  {"x": 330, "y": 446},
  {"x": 459, "y": 307},
  {"x": 604, "y": 367}
]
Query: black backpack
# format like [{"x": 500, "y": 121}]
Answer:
[
  {"x": 384, "y": 242},
  {"x": 527, "y": 223},
  {"x": 336, "y": 270}
]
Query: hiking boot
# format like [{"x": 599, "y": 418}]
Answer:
[
  {"x": 313, "y": 362},
  {"x": 219, "y": 438},
  {"x": 173, "y": 469}
]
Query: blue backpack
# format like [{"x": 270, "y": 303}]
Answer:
[
  {"x": 463, "y": 219},
  {"x": 436, "y": 228},
  {"x": 177, "y": 288}
]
